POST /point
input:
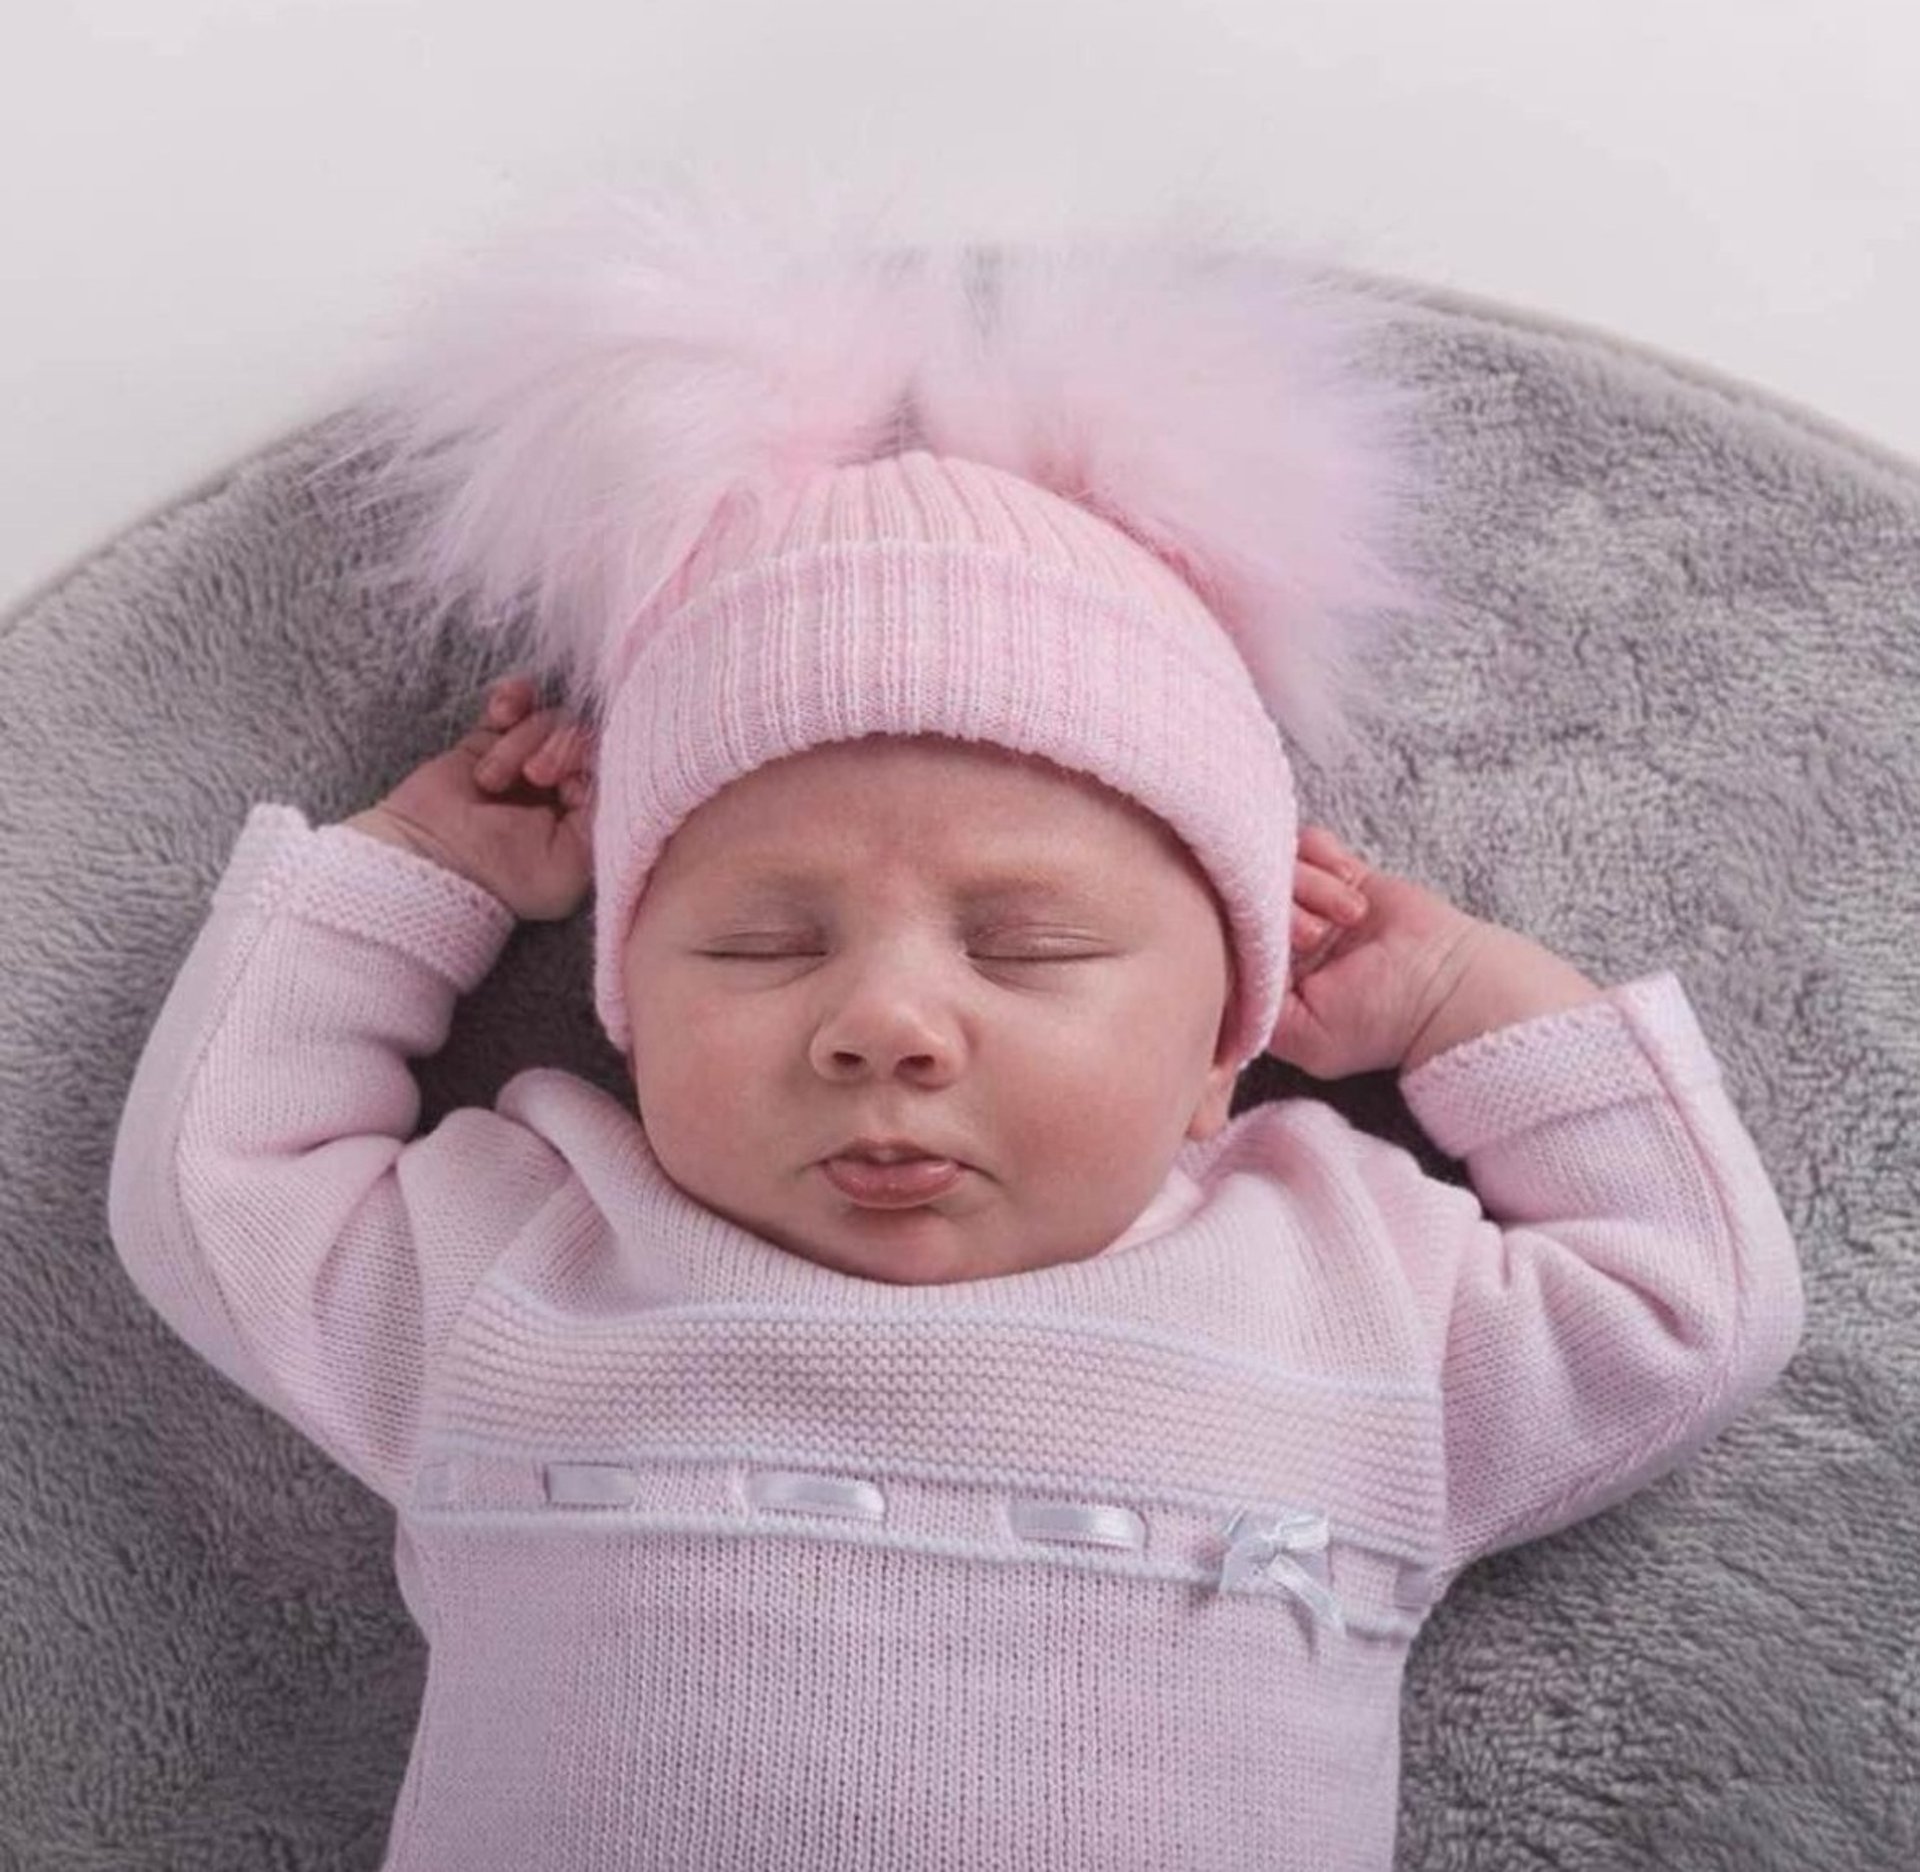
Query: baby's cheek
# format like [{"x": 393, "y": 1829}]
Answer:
[
  {"x": 720, "y": 1066},
  {"x": 1087, "y": 1132},
  {"x": 673, "y": 1063},
  {"x": 685, "y": 1022}
]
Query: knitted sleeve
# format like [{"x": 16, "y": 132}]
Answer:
[
  {"x": 266, "y": 1196},
  {"x": 1628, "y": 1283}
]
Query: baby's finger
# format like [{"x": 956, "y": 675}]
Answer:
[
  {"x": 508, "y": 700},
  {"x": 1326, "y": 894},
  {"x": 554, "y": 756},
  {"x": 1313, "y": 941},
  {"x": 500, "y": 766},
  {"x": 1320, "y": 847}
]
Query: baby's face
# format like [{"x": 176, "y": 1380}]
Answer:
[{"x": 1004, "y": 964}]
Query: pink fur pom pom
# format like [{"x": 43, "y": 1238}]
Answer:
[
  {"x": 570, "y": 412},
  {"x": 1215, "y": 403},
  {"x": 577, "y": 407}
]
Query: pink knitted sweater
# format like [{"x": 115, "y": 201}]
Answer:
[{"x": 728, "y": 1560}]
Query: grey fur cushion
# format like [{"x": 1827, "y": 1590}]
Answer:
[{"x": 1673, "y": 722}]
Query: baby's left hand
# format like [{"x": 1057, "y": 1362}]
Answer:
[{"x": 1372, "y": 956}]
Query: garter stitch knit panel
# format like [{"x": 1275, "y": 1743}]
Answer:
[{"x": 727, "y": 1560}]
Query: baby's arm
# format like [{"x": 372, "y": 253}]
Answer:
[
  {"x": 1625, "y": 1283},
  {"x": 1621, "y": 1282},
  {"x": 264, "y": 1195}
]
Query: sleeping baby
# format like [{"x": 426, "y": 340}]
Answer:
[{"x": 922, "y": 1426}]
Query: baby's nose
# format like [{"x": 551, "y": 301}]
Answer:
[{"x": 886, "y": 1028}]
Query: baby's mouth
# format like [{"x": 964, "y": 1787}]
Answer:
[{"x": 902, "y": 1184}]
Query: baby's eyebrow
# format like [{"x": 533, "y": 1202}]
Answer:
[{"x": 983, "y": 889}]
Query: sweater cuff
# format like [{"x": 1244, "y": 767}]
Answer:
[
  {"x": 343, "y": 879},
  {"x": 1639, "y": 1040}
]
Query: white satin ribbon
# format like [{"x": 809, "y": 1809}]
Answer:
[
  {"x": 1087, "y": 1524},
  {"x": 796, "y": 1491},
  {"x": 1265, "y": 1543}
]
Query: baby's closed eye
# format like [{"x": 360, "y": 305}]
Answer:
[{"x": 999, "y": 953}]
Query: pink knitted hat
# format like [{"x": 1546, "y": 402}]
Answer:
[{"x": 749, "y": 482}]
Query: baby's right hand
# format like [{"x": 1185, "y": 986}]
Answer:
[{"x": 529, "y": 844}]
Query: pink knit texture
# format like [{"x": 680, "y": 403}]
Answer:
[
  {"x": 730, "y": 1561},
  {"x": 838, "y": 621}
]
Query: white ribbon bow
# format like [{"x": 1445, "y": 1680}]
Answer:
[{"x": 1265, "y": 1543}]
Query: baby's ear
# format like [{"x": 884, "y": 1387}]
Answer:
[{"x": 1216, "y": 1100}]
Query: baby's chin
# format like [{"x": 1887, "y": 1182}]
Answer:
[
  {"x": 908, "y": 1248},
  {"x": 933, "y": 1244},
  {"x": 902, "y": 1249}
]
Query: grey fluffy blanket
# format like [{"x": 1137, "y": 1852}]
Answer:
[{"x": 1674, "y": 721}]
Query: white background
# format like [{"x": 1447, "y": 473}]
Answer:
[{"x": 211, "y": 208}]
